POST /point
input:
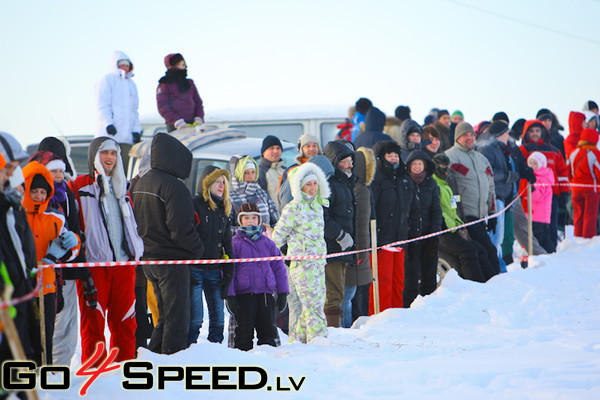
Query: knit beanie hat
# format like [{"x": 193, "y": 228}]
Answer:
[
  {"x": 462, "y": 129},
  {"x": 249, "y": 165},
  {"x": 442, "y": 164},
  {"x": 457, "y": 112},
  {"x": 517, "y": 128},
  {"x": 306, "y": 139},
  {"x": 498, "y": 128},
  {"x": 269, "y": 141},
  {"x": 500, "y": 116},
  {"x": 308, "y": 178},
  {"x": 363, "y": 105},
  {"x": 540, "y": 158},
  {"x": 39, "y": 182},
  {"x": 248, "y": 209},
  {"x": 402, "y": 112},
  {"x": 173, "y": 59},
  {"x": 441, "y": 113}
]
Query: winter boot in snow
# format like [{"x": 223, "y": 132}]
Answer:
[{"x": 333, "y": 317}]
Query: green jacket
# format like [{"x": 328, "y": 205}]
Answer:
[{"x": 448, "y": 205}]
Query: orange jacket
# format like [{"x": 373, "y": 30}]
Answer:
[{"x": 46, "y": 224}]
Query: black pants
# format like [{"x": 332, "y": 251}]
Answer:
[
  {"x": 360, "y": 302},
  {"x": 467, "y": 257},
  {"x": 172, "y": 290},
  {"x": 478, "y": 233},
  {"x": 144, "y": 327},
  {"x": 49, "y": 318},
  {"x": 541, "y": 232},
  {"x": 420, "y": 265},
  {"x": 255, "y": 311}
]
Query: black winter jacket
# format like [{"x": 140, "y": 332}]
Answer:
[
  {"x": 374, "y": 123},
  {"x": 426, "y": 211},
  {"x": 392, "y": 196},
  {"x": 214, "y": 226},
  {"x": 341, "y": 216},
  {"x": 506, "y": 175},
  {"x": 163, "y": 206}
]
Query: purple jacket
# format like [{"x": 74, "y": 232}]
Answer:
[
  {"x": 257, "y": 277},
  {"x": 174, "y": 106}
]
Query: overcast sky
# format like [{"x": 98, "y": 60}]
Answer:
[{"x": 477, "y": 56}]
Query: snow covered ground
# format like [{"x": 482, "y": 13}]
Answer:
[{"x": 526, "y": 334}]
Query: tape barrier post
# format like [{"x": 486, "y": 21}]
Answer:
[
  {"x": 374, "y": 265},
  {"x": 42, "y": 309},
  {"x": 529, "y": 223}
]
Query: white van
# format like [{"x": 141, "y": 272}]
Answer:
[{"x": 287, "y": 123}]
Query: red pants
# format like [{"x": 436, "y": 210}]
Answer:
[
  {"x": 585, "y": 213},
  {"x": 116, "y": 304},
  {"x": 390, "y": 276}
]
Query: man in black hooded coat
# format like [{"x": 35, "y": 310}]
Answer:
[
  {"x": 374, "y": 123},
  {"x": 166, "y": 221}
]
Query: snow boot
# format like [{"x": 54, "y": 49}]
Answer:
[{"x": 333, "y": 317}]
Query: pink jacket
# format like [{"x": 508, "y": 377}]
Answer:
[{"x": 541, "y": 197}]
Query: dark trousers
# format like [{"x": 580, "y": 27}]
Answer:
[
  {"x": 360, "y": 302},
  {"x": 541, "y": 231},
  {"x": 255, "y": 311},
  {"x": 467, "y": 257},
  {"x": 478, "y": 233},
  {"x": 420, "y": 265},
  {"x": 171, "y": 285},
  {"x": 144, "y": 326},
  {"x": 554, "y": 224}
]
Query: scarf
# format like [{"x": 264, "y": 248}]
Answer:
[
  {"x": 179, "y": 76},
  {"x": 253, "y": 232},
  {"x": 418, "y": 178},
  {"x": 60, "y": 194}
]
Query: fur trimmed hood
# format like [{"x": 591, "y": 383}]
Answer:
[
  {"x": 303, "y": 171},
  {"x": 209, "y": 175},
  {"x": 365, "y": 165}
]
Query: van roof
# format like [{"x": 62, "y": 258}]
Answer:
[{"x": 275, "y": 113}]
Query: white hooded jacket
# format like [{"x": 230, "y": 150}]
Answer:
[{"x": 117, "y": 102}]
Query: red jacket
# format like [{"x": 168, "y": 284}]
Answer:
[
  {"x": 555, "y": 159},
  {"x": 575, "y": 127},
  {"x": 584, "y": 163}
]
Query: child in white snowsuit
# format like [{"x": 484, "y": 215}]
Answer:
[{"x": 301, "y": 226}]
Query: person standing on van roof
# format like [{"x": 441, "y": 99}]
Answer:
[
  {"x": 117, "y": 105},
  {"x": 373, "y": 133},
  {"x": 271, "y": 165},
  {"x": 177, "y": 97},
  {"x": 362, "y": 106}
]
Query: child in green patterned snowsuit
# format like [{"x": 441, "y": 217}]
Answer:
[{"x": 301, "y": 226}]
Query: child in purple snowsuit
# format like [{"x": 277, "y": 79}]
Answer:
[{"x": 250, "y": 295}]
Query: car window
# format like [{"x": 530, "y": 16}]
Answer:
[
  {"x": 289, "y": 132},
  {"x": 79, "y": 155},
  {"x": 328, "y": 132},
  {"x": 289, "y": 156}
]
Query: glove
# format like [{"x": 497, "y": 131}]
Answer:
[
  {"x": 68, "y": 240},
  {"x": 180, "y": 124},
  {"x": 232, "y": 305},
  {"x": 90, "y": 293},
  {"x": 512, "y": 177},
  {"x": 225, "y": 282},
  {"x": 55, "y": 251},
  {"x": 491, "y": 224},
  {"x": 563, "y": 200},
  {"x": 137, "y": 137},
  {"x": 198, "y": 121},
  {"x": 111, "y": 130},
  {"x": 463, "y": 233},
  {"x": 281, "y": 302},
  {"x": 345, "y": 241}
]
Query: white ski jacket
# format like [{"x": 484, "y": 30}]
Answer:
[{"x": 117, "y": 102}]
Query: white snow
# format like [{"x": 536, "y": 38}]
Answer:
[{"x": 526, "y": 334}]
